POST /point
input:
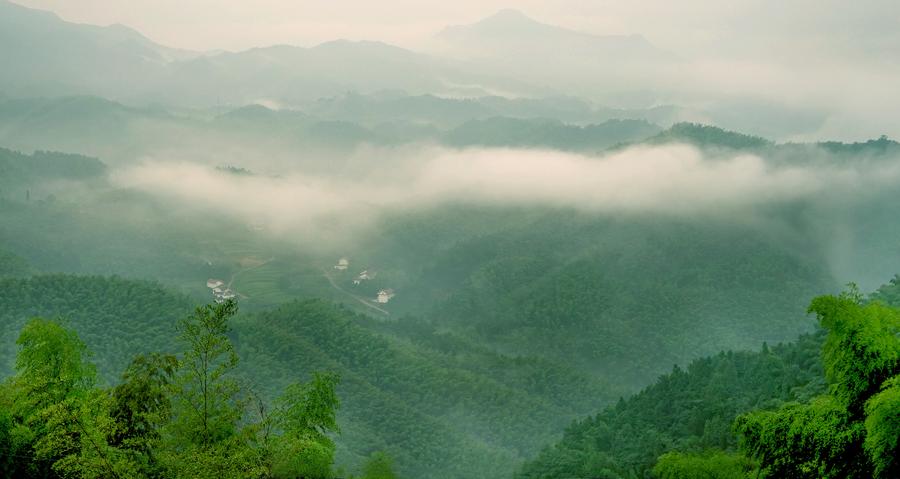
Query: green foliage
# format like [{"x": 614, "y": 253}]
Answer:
[
  {"x": 58, "y": 403},
  {"x": 511, "y": 321},
  {"x": 862, "y": 350},
  {"x": 308, "y": 410},
  {"x": 709, "y": 465},
  {"x": 851, "y": 432},
  {"x": 688, "y": 410},
  {"x": 379, "y": 466},
  {"x": 438, "y": 415},
  {"x": 302, "y": 457},
  {"x": 513, "y": 132},
  {"x": 17, "y": 456},
  {"x": 305, "y": 414},
  {"x": 888, "y": 293},
  {"x": 141, "y": 406},
  {"x": 619, "y": 298},
  {"x": 709, "y": 136},
  {"x": 169, "y": 417},
  {"x": 883, "y": 429},
  {"x": 441, "y": 404},
  {"x": 880, "y": 146},
  {"x": 51, "y": 364},
  {"x": 17, "y": 169},
  {"x": 815, "y": 440},
  {"x": 116, "y": 318},
  {"x": 206, "y": 406},
  {"x": 228, "y": 458},
  {"x": 74, "y": 435}
]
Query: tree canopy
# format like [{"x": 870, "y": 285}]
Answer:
[
  {"x": 850, "y": 432},
  {"x": 171, "y": 416}
]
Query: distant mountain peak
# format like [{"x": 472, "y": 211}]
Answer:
[
  {"x": 512, "y": 23},
  {"x": 504, "y": 21},
  {"x": 509, "y": 15},
  {"x": 511, "y": 31}
]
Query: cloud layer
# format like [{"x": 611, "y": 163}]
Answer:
[{"x": 672, "y": 179}]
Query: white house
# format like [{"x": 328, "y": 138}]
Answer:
[
  {"x": 364, "y": 276},
  {"x": 384, "y": 296},
  {"x": 228, "y": 294},
  {"x": 342, "y": 264},
  {"x": 214, "y": 283}
]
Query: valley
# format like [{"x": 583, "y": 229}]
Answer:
[{"x": 651, "y": 242}]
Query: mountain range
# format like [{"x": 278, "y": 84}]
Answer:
[
  {"x": 46, "y": 56},
  {"x": 508, "y": 55},
  {"x": 510, "y": 42},
  {"x": 493, "y": 56}
]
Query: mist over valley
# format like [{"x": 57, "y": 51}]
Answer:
[{"x": 478, "y": 244}]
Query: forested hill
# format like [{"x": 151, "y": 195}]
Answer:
[
  {"x": 116, "y": 318},
  {"x": 706, "y": 135},
  {"x": 16, "y": 167},
  {"x": 624, "y": 298},
  {"x": 425, "y": 407},
  {"x": 710, "y": 137},
  {"x": 689, "y": 409},
  {"x": 692, "y": 411},
  {"x": 441, "y": 406}
]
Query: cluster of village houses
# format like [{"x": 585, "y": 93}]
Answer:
[
  {"x": 383, "y": 295},
  {"x": 220, "y": 292}
]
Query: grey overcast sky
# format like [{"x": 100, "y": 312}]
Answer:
[
  {"x": 868, "y": 29},
  {"x": 839, "y": 56}
]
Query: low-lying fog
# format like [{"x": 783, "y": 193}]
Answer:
[{"x": 675, "y": 179}]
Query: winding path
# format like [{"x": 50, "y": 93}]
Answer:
[{"x": 348, "y": 293}]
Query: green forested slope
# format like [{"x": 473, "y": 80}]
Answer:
[
  {"x": 116, "y": 318},
  {"x": 27, "y": 176},
  {"x": 689, "y": 409},
  {"x": 624, "y": 298},
  {"x": 514, "y": 313},
  {"x": 795, "y": 420},
  {"x": 708, "y": 136},
  {"x": 18, "y": 167},
  {"x": 513, "y": 132},
  {"x": 465, "y": 412}
]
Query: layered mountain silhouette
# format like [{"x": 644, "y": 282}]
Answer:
[
  {"x": 513, "y": 32},
  {"x": 47, "y": 56},
  {"x": 42, "y": 54},
  {"x": 597, "y": 66}
]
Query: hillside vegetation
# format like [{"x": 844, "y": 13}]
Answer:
[
  {"x": 822, "y": 406},
  {"x": 418, "y": 394}
]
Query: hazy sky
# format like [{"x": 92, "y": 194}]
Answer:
[
  {"x": 820, "y": 28},
  {"x": 834, "y": 55}
]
